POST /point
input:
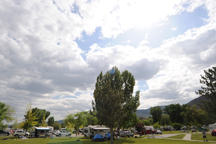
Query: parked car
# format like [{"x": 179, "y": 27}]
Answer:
[
  {"x": 126, "y": 134},
  {"x": 4, "y": 133},
  {"x": 148, "y": 130},
  {"x": 158, "y": 132},
  {"x": 129, "y": 134},
  {"x": 21, "y": 133},
  {"x": 193, "y": 130},
  {"x": 213, "y": 133}
]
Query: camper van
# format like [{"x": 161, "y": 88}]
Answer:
[
  {"x": 212, "y": 127},
  {"x": 91, "y": 131}
]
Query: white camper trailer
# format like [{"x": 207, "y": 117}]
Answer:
[
  {"x": 91, "y": 131},
  {"x": 212, "y": 127}
]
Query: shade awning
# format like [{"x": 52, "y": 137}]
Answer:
[{"x": 42, "y": 128}]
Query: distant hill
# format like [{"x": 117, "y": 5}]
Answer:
[
  {"x": 145, "y": 112},
  {"x": 196, "y": 101},
  {"x": 60, "y": 121}
]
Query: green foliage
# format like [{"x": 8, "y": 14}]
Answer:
[
  {"x": 147, "y": 122},
  {"x": 156, "y": 113},
  {"x": 63, "y": 125},
  {"x": 30, "y": 118},
  {"x": 76, "y": 120},
  {"x": 57, "y": 126},
  {"x": 156, "y": 125},
  {"x": 208, "y": 91},
  {"x": 194, "y": 116},
  {"x": 40, "y": 114},
  {"x": 176, "y": 126},
  {"x": 44, "y": 124},
  {"x": 174, "y": 110},
  {"x": 6, "y": 114},
  {"x": 51, "y": 121},
  {"x": 113, "y": 100},
  {"x": 165, "y": 120}
]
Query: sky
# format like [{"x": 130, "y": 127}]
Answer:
[{"x": 51, "y": 51}]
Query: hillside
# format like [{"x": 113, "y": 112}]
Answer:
[
  {"x": 145, "y": 112},
  {"x": 196, "y": 101}
]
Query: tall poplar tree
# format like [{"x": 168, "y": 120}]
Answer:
[
  {"x": 156, "y": 113},
  {"x": 113, "y": 99},
  {"x": 208, "y": 91}
]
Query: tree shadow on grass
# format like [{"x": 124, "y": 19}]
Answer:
[{"x": 85, "y": 141}]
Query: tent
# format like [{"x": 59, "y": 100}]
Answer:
[
  {"x": 107, "y": 136},
  {"x": 97, "y": 138}
]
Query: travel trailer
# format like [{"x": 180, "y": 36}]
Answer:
[
  {"x": 42, "y": 132},
  {"x": 91, "y": 131},
  {"x": 212, "y": 127}
]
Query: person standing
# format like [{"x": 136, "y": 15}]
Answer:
[{"x": 204, "y": 136}]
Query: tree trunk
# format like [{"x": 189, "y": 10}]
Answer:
[
  {"x": 118, "y": 131},
  {"x": 111, "y": 132}
]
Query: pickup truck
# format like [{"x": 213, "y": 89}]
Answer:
[{"x": 4, "y": 133}]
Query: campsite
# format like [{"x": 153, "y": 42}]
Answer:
[{"x": 82, "y": 140}]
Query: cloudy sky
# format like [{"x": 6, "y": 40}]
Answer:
[{"x": 51, "y": 51}]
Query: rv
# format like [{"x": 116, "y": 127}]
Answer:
[
  {"x": 212, "y": 127},
  {"x": 42, "y": 132},
  {"x": 91, "y": 131}
]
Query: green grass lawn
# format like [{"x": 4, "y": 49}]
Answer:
[
  {"x": 171, "y": 132},
  {"x": 180, "y": 136},
  {"x": 67, "y": 140},
  {"x": 200, "y": 137}
]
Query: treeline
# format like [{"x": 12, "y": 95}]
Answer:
[{"x": 176, "y": 115}]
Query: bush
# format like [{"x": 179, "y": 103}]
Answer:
[{"x": 177, "y": 126}]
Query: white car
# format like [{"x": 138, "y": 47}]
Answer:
[
  {"x": 158, "y": 132},
  {"x": 21, "y": 133}
]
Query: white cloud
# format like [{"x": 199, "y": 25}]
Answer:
[
  {"x": 143, "y": 42},
  {"x": 35, "y": 68},
  {"x": 173, "y": 29}
]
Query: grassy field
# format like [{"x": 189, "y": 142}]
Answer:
[
  {"x": 172, "y": 132},
  {"x": 180, "y": 136},
  {"x": 67, "y": 140},
  {"x": 200, "y": 137}
]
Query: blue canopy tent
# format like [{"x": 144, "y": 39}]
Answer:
[
  {"x": 97, "y": 138},
  {"x": 107, "y": 136}
]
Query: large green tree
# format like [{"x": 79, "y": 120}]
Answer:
[
  {"x": 174, "y": 110},
  {"x": 40, "y": 114},
  {"x": 51, "y": 121},
  {"x": 6, "y": 114},
  {"x": 75, "y": 120},
  {"x": 156, "y": 113},
  {"x": 113, "y": 99},
  {"x": 208, "y": 91},
  {"x": 165, "y": 120},
  {"x": 194, "y": 116}
]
